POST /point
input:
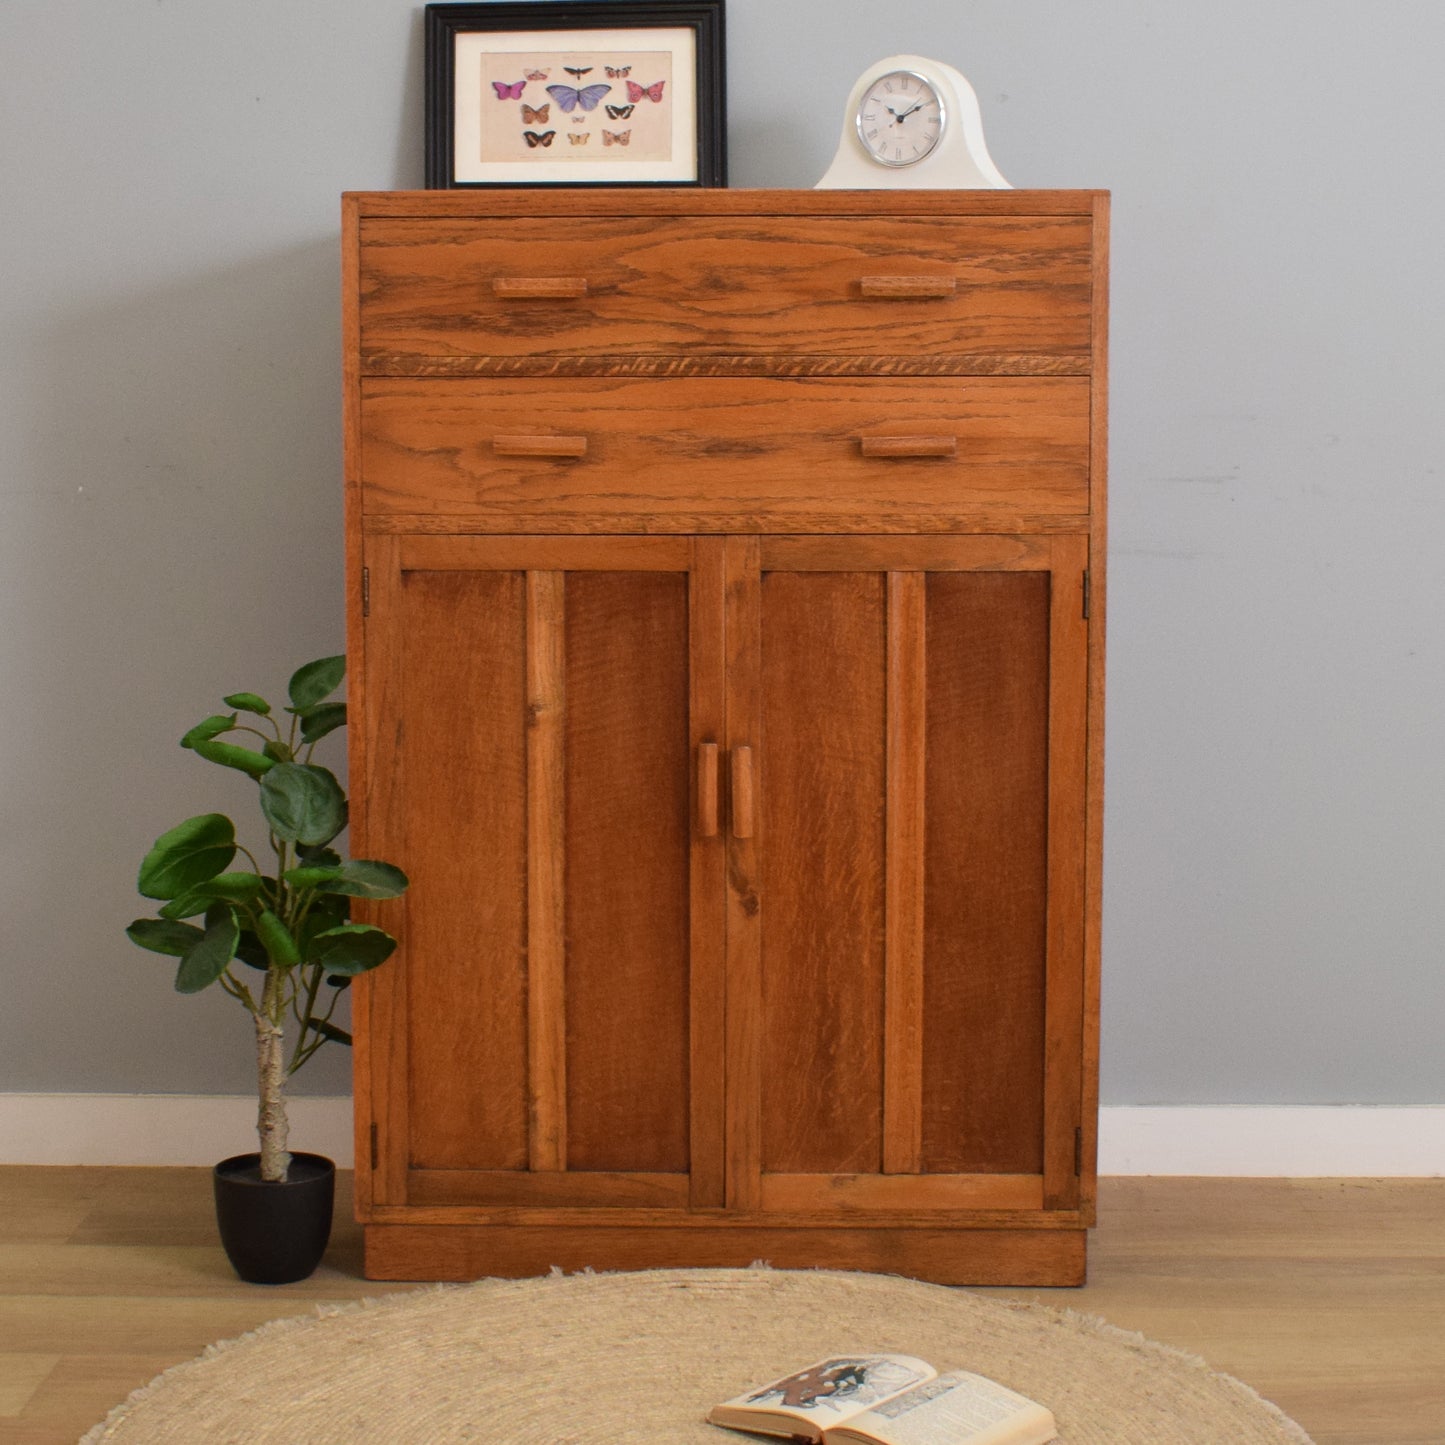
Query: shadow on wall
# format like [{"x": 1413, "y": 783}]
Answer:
[{"x": 175, "y": 533}]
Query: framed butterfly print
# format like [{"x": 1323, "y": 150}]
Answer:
[{"x": 544, "y": 92}]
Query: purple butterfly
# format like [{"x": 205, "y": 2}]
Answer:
[
  {"x": 508, "y": 92},
  {"x": 569, "y": 99}
]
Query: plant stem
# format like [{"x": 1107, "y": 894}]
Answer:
[{"x": 271, "y": 1076}]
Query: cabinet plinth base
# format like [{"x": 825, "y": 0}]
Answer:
[{"x": 1038, "y": 1257}]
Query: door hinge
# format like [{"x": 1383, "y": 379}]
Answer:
[
  {"x": 375, "y": 1151},
  {"x": 366, "y": 593},
  {"x": 1078, "y": 1149},
  {"x": 1086, "y": 596}
]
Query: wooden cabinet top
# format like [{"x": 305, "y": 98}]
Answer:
[{"x": 634, "y": 200}]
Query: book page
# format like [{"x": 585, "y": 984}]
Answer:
[
  {"x": 822, "y": 1394},
  {"x": 955, "y": 1409}
]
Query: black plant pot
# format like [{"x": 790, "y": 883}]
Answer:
[{"x": 274, "y": 1233}]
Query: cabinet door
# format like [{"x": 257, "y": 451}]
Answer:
[
  {"x": 538, "y": 710},
  {"x": 906, "y": 937}
]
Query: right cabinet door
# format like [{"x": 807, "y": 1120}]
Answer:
[{"x": 906, "y": 719}]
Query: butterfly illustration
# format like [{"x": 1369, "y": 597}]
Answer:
[
  {"x": 579, "y": 120},
  {"x": 537, "y": 116},
  {"x": 619, "y": 73},
  {"x": 570, "y": 99},
  {"x": 505, "y": 91},
  {"x": 534, "y": 140},
  {"x": 616, "y": 137},
  {"x": 620, "y": 112},
  {"x": 586, "y": 70},
  {"x": 579, "y": 137},
  {"x": 536, "y": 75},
  {"x": 635, "y": 92}
]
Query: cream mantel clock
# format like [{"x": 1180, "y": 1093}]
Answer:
[{"x": 912, "y": 123}]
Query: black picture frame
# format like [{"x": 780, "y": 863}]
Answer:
[{"x": 448, "y": 23}]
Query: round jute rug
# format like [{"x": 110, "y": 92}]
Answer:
[{"x": 592, "y": 1359}]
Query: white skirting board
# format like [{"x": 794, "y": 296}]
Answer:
[{"x": 1258, "y": 1140}]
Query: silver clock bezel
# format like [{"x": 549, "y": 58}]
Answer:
[{"x": 942, "y": 119}]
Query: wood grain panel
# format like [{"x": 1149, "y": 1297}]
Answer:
[
  {"x": 571, "y": 202},
  {"x": 847, "y": 1193},
  {"x": 628, "y": 812},
  {"x": 546, "y": 871},
  {"x": 380, "y": 1065},
  {"x": 1000, "y": 553},
  {"x": 907, "y": 785},
  {"x": 1064, "y": 983},
  {"x": 505, "y": 1189},
  {"x": 707, "y": 992},
  {"x": 972, "y": 363},
  {"x": 822, "y": 762},
  {"x": 946, "y": 1256},
  {"x": 744, "y": 1056},
  {"x": 716, "y": 443},
  {"x": 738, "y": 285},
  {"x": 985, "y": 871},
  {"x": 461, "y": 750}
]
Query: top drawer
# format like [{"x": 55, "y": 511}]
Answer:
[{"x": 925, "y": 288}]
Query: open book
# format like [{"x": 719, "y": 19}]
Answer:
[{"x": 887, "y": 1400}]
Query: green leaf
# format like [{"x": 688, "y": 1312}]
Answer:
[
  {"x": 303, "y": 803},
  {"x": 234, "y": 887},
  {"x": 210, "y": 728},
  {"x": 191, "y": 902},
  {"x": 230, "y": 756},
  {"x": 309, "y": 877},
  {"x": 176, "y": 939},
  {"x": 316, "y": 722},
  {"x": 188, "y": 854},
  {"x": 317, "y": 680},
  {"x": 277, "y": 939},
  {"x": 324, "y": 914},
  {"x": 319, "y": 857},
  {"x": 276, "y": 751},
  {"x": 363, "y": 878},
  {"x": 330, "y": 1031},
  {"x": 353, "y": 948},
  {"x": 251, "y": 951},
  {"x": 206, "y": 960},
  {"x": 249, "y": 702},
  {"x": 338, "y": 981}
]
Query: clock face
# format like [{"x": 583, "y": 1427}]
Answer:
[{"x": 900, "y": 118}]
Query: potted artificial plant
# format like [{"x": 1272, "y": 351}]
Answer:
[{"x": 280, "y": 940}]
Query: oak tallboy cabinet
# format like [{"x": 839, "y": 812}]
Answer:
[{"x": 725, "y": 576}]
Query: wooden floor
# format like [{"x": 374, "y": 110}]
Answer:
[{"x": 1328, "y": 1296}]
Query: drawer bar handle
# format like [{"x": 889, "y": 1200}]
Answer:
[
  {"x": 742, "y": 780},
  {"x": 540, "y": 288},
  {"x": 918, "y": 446},
  {"x": 909, "y": 288},
  {"x": 707, "y": 789},
  {"x": 540, "y": 446}
]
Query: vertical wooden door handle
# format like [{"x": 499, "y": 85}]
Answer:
[
  {"x": 707, "y": 789},
  {"x": 742, "y": 761}
]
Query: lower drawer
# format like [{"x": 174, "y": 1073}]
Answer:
[{"x": 768, "y": 453}]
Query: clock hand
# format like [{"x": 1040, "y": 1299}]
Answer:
[{"x": 909, "y": 112}]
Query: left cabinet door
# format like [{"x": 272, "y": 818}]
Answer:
[{"x": 540, "y": 718}]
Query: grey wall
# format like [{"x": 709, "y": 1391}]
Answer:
[{"x": 169, "y": 476}]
